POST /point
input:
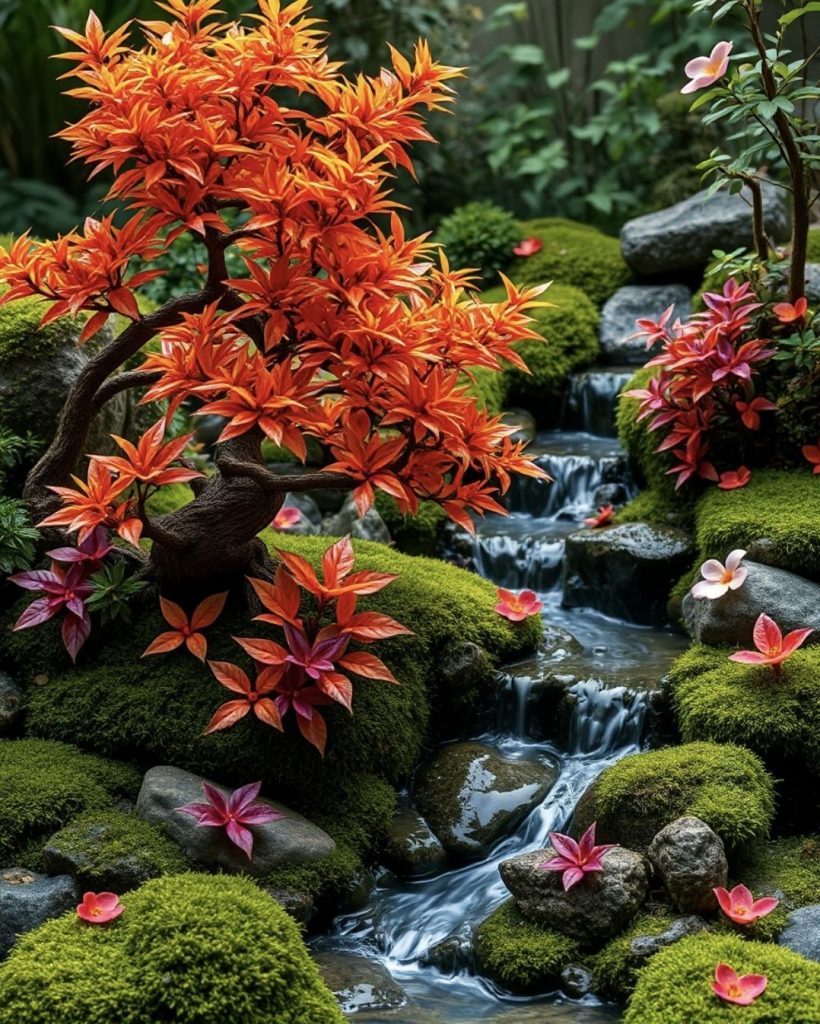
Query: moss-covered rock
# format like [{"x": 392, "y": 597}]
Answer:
[
  {"x": 777, "y": 717},
  {"x": 614, "y": 967},
  {"x": 813, "y": 248},
  {"x": 520, "y": 955},
  {"x": 111, "y": 851},
  {"x": 479, "y": 236},
  {"x": 489, "y": 388},
  {"x": 194, "y": 949},
  {"x": 580, "y": 256},
  {"x": 725, "y": 786},
  {"x": 414, "y": 535},
  {"x": 675, "y": 988},
  {"x": 45, "y": 784}
]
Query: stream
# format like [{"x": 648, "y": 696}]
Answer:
[{"x": 608, "y": 672}]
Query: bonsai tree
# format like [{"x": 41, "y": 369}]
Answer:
[{"x": 340, "y": 328}]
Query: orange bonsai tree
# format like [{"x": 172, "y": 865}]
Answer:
[{"x": 340, "y": 328}]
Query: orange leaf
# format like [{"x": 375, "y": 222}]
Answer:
[
  {"x": 197, "y": 645},
  {"x": 172, "y": 613},
  {"x": 367, "y": 665},
  {"x": 266, "y": 651},
  {"x": 266, "y": 711},
  {"x": 92, "y": 325},
  {"x": 374, "y": 626},
  {"x": 208, "y": 611},
  {"x": 164, "y": 642},
  {"x": 314, "y": 731},
  {"x": 231, "y": 676},
  {"x": 338, "y": 688},
  {"x": 227, "y": 715}
]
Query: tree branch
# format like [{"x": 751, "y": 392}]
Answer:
[
  {"x": 270, "y": 481},
  {"x": 123, "y": 382}
]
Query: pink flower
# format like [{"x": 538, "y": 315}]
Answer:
[
  {"x": 605, "y": 514},
  {"x": 787, "y": 313},
  {"x": 575, "y": 859},
  {"x": 517, "y": 607},
  {"x": 718, "y": 578},
  {"x": 233, "y": 812},
  {"x": 705, "y": 71},
  {"x": 733, "y": 989},
  {"x": 99, "y": 907},
  {"x": 772, "y": 647},
  {"x": 285, "y": 518},
  {"x": 529, "y": 247},
  {"x": 811, "y": 453},
  {"x": 741, "y": 907},
  {"x": 749, "y": 411},
  {"x": 734, "y": 478}
]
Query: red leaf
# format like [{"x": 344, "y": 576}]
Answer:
[
  {"x": 227, "y": 715},
  {"x": 266, "y": 711},
  {"x": 338, "y": 688},
  {"x": 208, "y": 611},
  {"x": 197, "y": 645},
  {"x": 367, "y": 665},
  {"x": 374, "y": 626},
  {"x": 314, "y": 731},
  {"x": 164, "y": 642},
  {"x": 231, "y": 676}
]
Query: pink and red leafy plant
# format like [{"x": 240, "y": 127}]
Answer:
[
  {"x": 64, "y": 590},
  {"x": 285, "y": 518},
  {"x": 741, "y": 907},
  {"x": 517, "y": 607},
  {"x": 575, "y": 859},
  {"x": 187, "y": 631},
  {"x": 772, "y": 647},
  {"x": 233, "y": 813},
  {"x": 99, "y": 907},
  {"x": 731, "y": 988}
]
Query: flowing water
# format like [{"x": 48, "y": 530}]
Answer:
[{"x": 420, "y": 929}]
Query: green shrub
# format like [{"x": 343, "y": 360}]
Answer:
[
  {"x": 17, "y": 536},
  {"x": 572, "y": 255},
  {"x": 480, "y": 236},
  {"x": 191, "y": 948},
  {"x": 813, "y": 248},
  {"x": 675, "y": 987},
  {"x": 520, "y": 955},
  {"x": 489, "y": 388},
  {"x": 414, "y": 535},
  {"x": 725, "y": 786},
  {"x": 44, "y": 785},
  {"x": 98, "y": 839},
  {"x": 727, "y": 702},
  {"x": 614, "y": 968}
]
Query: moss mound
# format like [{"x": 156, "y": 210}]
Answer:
[
  {"x": 779, "y": 718},
  {"x": 479, "y": 236},
  {"x": 489, "y": 388},
  {"x": 725, "y": 786},
  {"x": 580, "y": 256},
  {"x": 614, "y": 968},
  {"x": 518, "y": 954},
  {"x": 98, "y": 840},
  {"x": 675, "y": 987},
  {"x": 45, "y": 784},
  {"x": 193, "y": 949},
  {"x": 813, "y": 248},
  {"x": 414, "y": 535},
  {"x": 571, "y": 333}
]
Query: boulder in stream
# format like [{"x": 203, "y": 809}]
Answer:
[
  {"x": 633, "y": 302},
  {"x": 360, "y": 984},
  {"x": 691, "y": 860},
  {"x": 410, "y": 847}
]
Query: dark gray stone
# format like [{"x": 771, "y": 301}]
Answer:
[
  {"x": 576, "y": 981},
  {"x": 523, "y": 420},
  {"x": 595, "y": 909},
  {"x": 298, "y": 904},
  {"x": 310, "y": 523},
  {"x": 644, "y": 946},
  {"x": 411, "y": 848},
  {"x": 812, "y": 291},
  {"x": 289, "y": 840},
  {"x": 464, "y": 666},
  {"x": 802, "y": 932},
  {"x": 793, "y": 602},
  {"x": 27, "y": 900},
  {"x": 683, "y": 236},
  {"x": 471, "y": 795},
  {"x": 625, "y": 571},
  {"x": 633, "y": 302},
  {"x": 690, "y": 859},
  {"x": 12, "y": 705},
  {"x": 360, "y": 984},
  {"x": 451, "y": 954},
  {"x": 347, "y": 521}
]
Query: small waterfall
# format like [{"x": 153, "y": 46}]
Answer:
[
  {"x": 576, "y": 476},
  {"x": 591, "y": 400},
  {"x": 604, "y": 720},
  {"x": 533, "y": 562}
]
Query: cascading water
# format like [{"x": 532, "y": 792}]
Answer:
[
  {"x": 590, "y": 400},
  {"x": 421, "y": 928}
]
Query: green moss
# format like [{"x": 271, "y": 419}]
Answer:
[
  {"x": 675, "y": 988},
  {"x": 96, "y": 840},
  {"x": 779, "y": 718},
  {"x": 725, "y": 786},
  {"x": 780, "y": 507},
  {"x": 582, "y": 257},
  {"x": 194, "y": 949},
  {"x": 541, "y": 225},
  {"x": 614, "y": 968},
  {"x": 813, "y": 248},
  {"x": 489, "y": 387},
  {"x": 44, "y": 785},
  {"x": 520, "y": 955},
  {"x": 652, "y": 506},
  {"x": 169, "y": 499},
  {"x": 415, "y": 535},
  {"x": 479, "y": 236}
]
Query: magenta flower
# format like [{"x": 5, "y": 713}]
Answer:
[
  {"x": 705, "y": 71},
  {"x": 734, "y": 478},
  {"x": 93, "y": 549},
  {"x": 731, "y": 988},
  {"x": 529, "y": 247},
  {"x": 772, "y": 647},
  {"x": 575, "y": 859},
  {"x": 99, "y": 907},
  {"x": 233, "y": 813},
  {"x": 741, "y": 907},
  {"x": 517, "y": 607},
  {"x": 65, "y": 590},
  {"x": 315, "y": 658}
]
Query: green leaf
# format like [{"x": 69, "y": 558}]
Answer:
[
  {"x": 790, "y": 16},
  {"x": 555, "y": 79},
  {"x": 526, "y": 53}
]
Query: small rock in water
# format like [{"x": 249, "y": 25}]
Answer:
[
  {"x": 27, "y": 900},
  {"x": 452, "y": 953},
  {"x": 411, "y": 848},
  {"x": 595, "y": 909},
  {"x": 802, "y": 932},
  {"x": 576, "y": 981},
  {"x": 633, "y": 302},
  {"x": 360, "y": 984},
  {"x": 289, "y": 840},
  {"x": 12, "y": 705},
  {"x": 691, "y": 861},
  {"x": 644, "y": 946},
  {"x": 348, "y": 521},
  {"x": 299, "y": 905},
  {"x": 471, "y": 795},
  {"x": 791, "y": 600}
]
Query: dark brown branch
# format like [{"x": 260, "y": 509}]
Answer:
[
  {"x": 270, "y": 481},
  {"x": 123, "y": 382},
  {"x": 758, "y": 223}
]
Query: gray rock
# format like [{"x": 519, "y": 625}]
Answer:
[
  {"x": 691, "y": 861},
  {"x": 411, "y": 848},
  {"x": 12, "y": 705},
  {"x": 298, "y": 904},
  {"x": 625, "y": 571},
  {"x": 592, "y": 911},
  {"x": 347, "y": 520},
  {"x": 802, "y": 932},
  {"x": 310, "y": 523},
  {"x": 683, "y": 236},
  {"x": 27, "y": 900},
  {"x": 789, "y": 599},
  {"x": 453, "y": 953},
  {"x": 633, "y": 302},
  {"x": 208, "y": 428},
  {"x": 471, "y": 795},
  {"x": 576, "y": 981},
  {"x": 610, "y": 494},
  {"x": 360, "y": 984},
  {"x": 644, "y": 946},
  {"x": 523, "y": 420},
  {"x": 289, "y": 840},
  {"x": 464, "y": 666},
  {"x": 812, "y": 291}
]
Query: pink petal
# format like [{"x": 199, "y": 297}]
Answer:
[
  {"x": 766, "y": 634},
  {"x": 259, "y": 814},
  {"x": 242, "y": 837},
  {"x": 795, "y": 639},
  {"x": 725, "y": 975},
  {"x": 739, "y": 578},
  {"x": 709, "y": 590},
  {"x": 720, "y": 52},
  {"x": 216, "y": 799},
  {"x": 764, "y": 906},
  {"x": 740, "y": 894},
  {"x": 565, "y": 846},
  {"x": 696, "y": 66},
  {"x": 556, "y": 864},
  {"x": 712, "y": 570},
  {"x": 572, "y": 876},
  {"x": 723, "y": 898},
  {"x": 734, "y": 558},
  {"x": 587, "y": 842},
  {"x": 753, "y": 985},
  {"x": 242, "y": 797},
  {"x": 38, "y": 612},
  {"x": 107, "y": 900},
  {"x": 749, "y": 658}
]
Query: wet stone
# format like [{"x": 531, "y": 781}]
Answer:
[
  {"x": 360, "y": 984},
  {"x": 644, "y": 946},
  {"x": 348, "y": 521},
  {"x": 12, "y": 705},
  {"x": 633, "y": 302},
  {"x": 411, "y": 848},
  {"x": 27, "y": 900},
  {"x": 299, "y": 905},
  {"x": 691, "y": 861},
  {"x": 802, "y": 932},
  {"x": 576, "y": 981}
]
